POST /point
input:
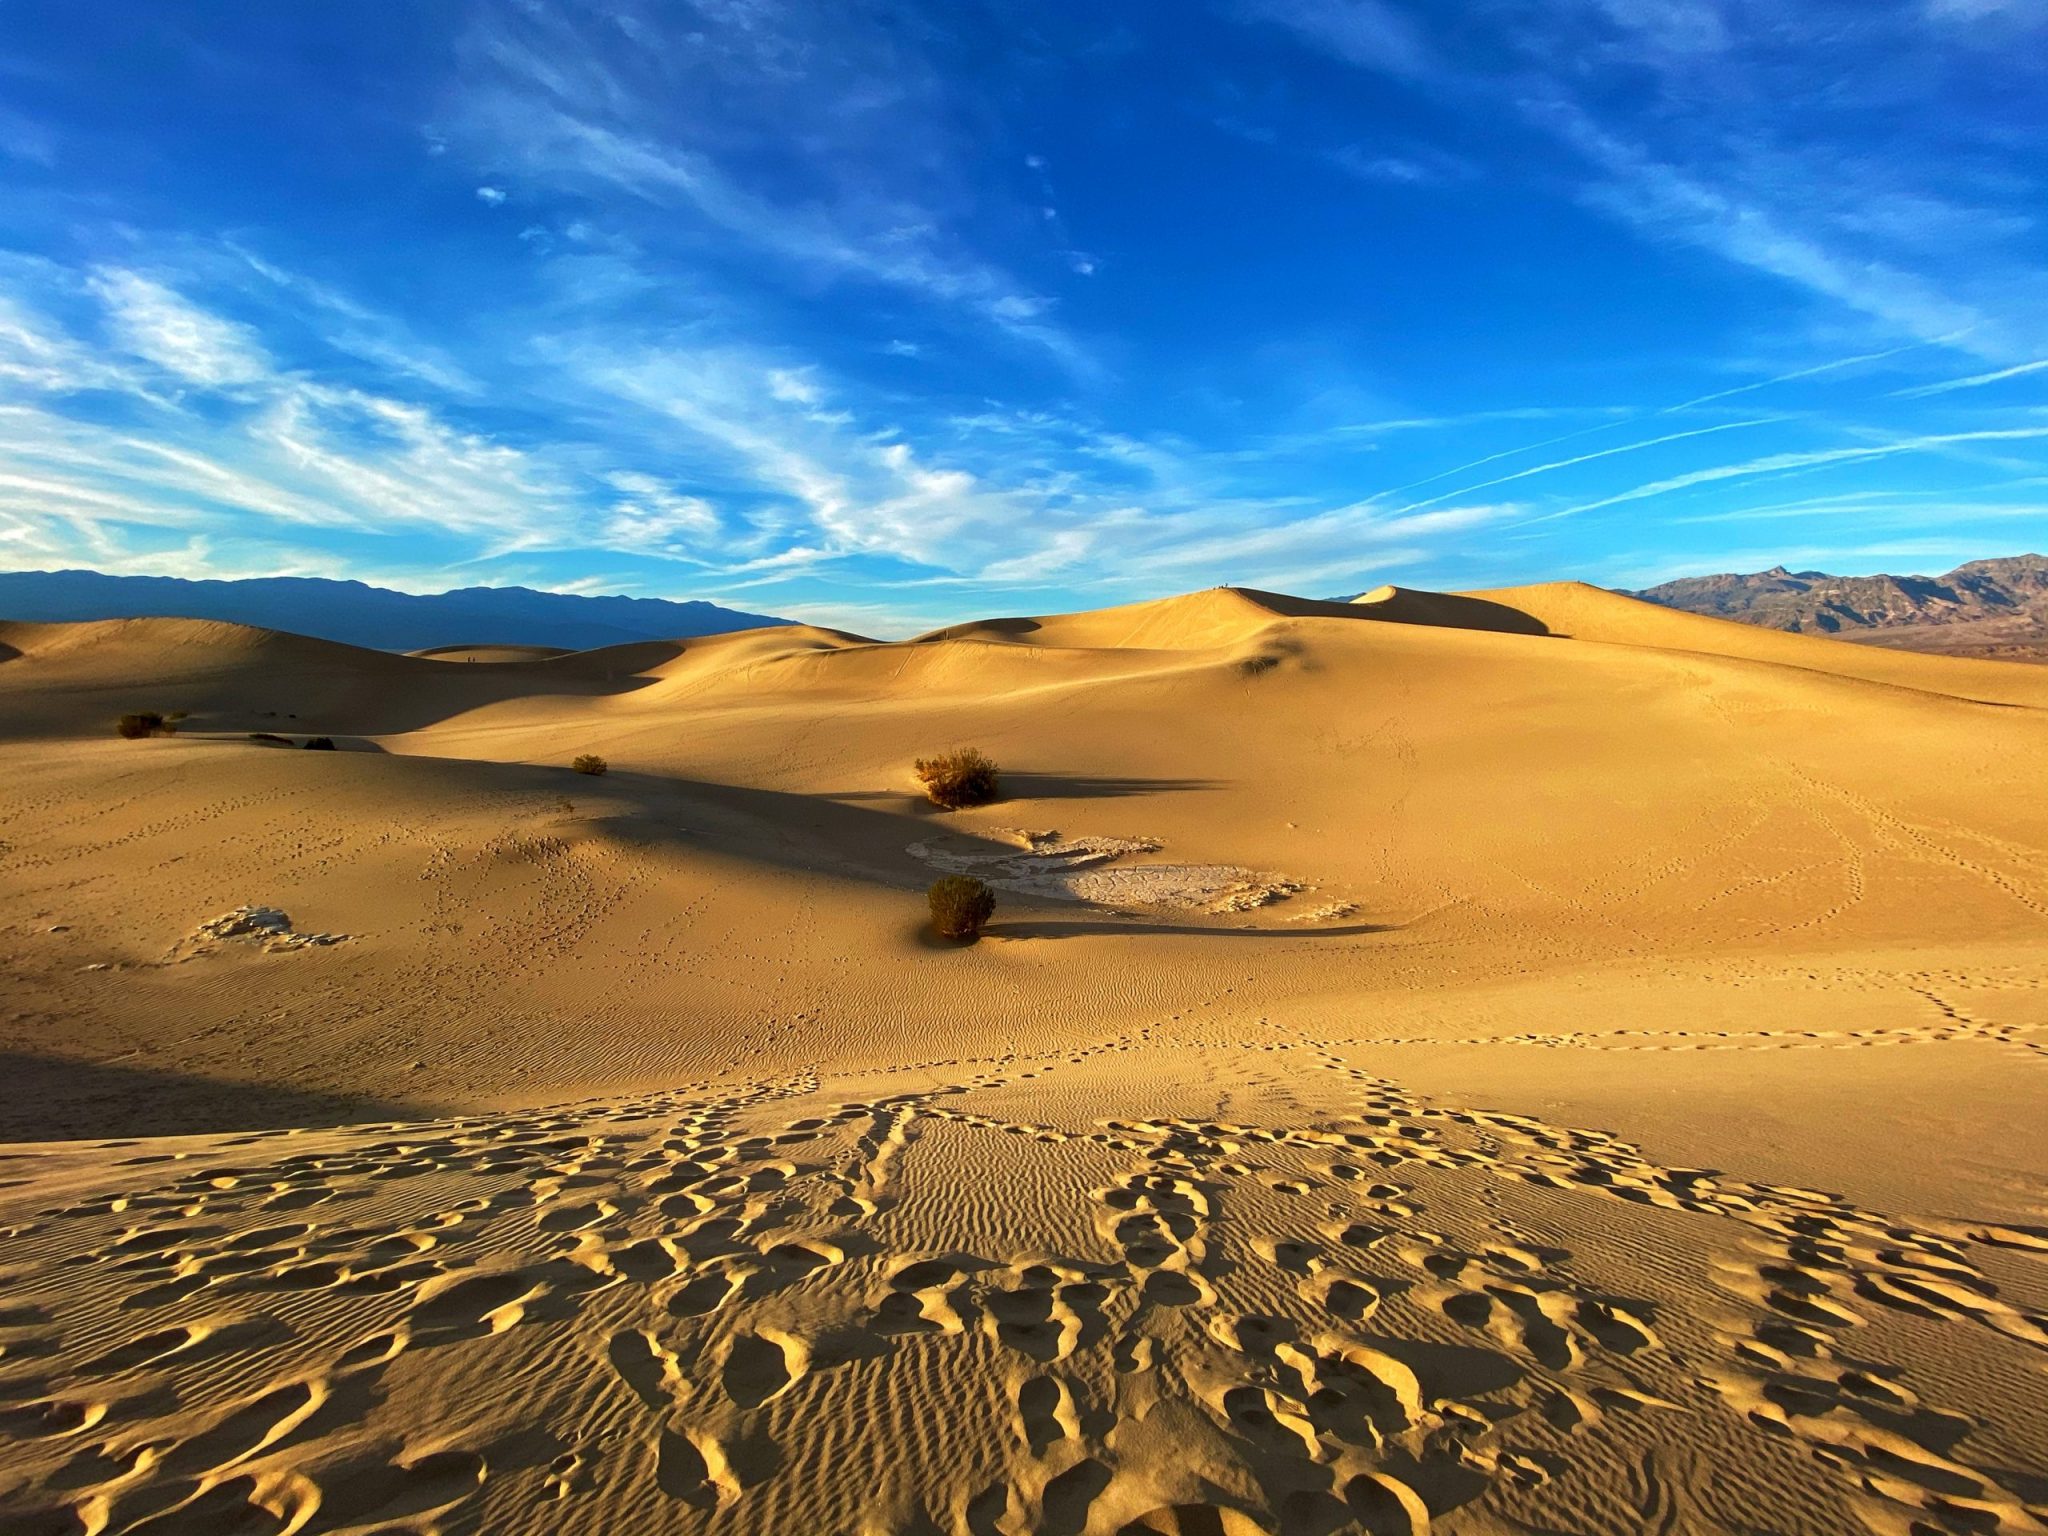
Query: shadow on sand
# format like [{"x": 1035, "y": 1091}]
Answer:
[
  {"x": 827, "y": 835},
  {"x": 1081, "y": 786},
  {"x": 1024, "y": 785},
  {"x": 51, "y": 1098},
  {"x": 1059, "y": 928}
]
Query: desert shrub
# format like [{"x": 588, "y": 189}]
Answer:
[
  {"x": 269, "y": 738},
  {"x": 957, "y": 779},
  {"x": 143, "y": 723},
  {"x": 320, "y": 744},
  {"x": 961, "y": 905},
  {"x": 591, "y": 764}
]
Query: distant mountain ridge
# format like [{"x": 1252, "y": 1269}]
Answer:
[
  {"x": 375, "y": 617},
  {"x": 1995, "y": 607}
]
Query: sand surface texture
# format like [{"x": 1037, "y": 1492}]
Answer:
[{"x": 1514, "y": 1062}]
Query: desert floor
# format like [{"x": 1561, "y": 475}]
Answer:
[{"x": 1525, "y": 1062}]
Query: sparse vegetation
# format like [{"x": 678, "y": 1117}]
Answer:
[
  {"x": 961, "y": 905},
  {"x": 591, "y": 764},
  {"x": 143, "y": 723},
  {"x": 320, "y": 744},
  {"x": 270, "y": 739},
  {"x": 958, "y": 779}
]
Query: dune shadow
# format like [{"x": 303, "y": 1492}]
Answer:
[
  {"x": 278, "y": 741},
  {"x": 979, "y": 627},
  {"x": 1081, "y": 786},
  {"x": 796, "y": 833},
  {"x": 8, "y": 652},
  {"x": 313, "y": 688},
  {"x": 1446, "y": 610},
  {"x": 54, "y": 1098},
  {"x": 1484, "y": 613},
  {"x": 1026, "y": 785},
  {"x": 1109, "y": 927},
  {"x": 807, "y": 835}
]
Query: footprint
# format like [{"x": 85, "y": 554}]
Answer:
[
  {"x": 1193, "y": 1520},
  {"x": 926, "y": 1296},
  {"x": 1046, "y": 1412},
  {"x": 461, "y": 1304},
  {"x": 265, "y": 1504},
  {"x": 647, "y": 1367},
  {"x": 692, "y": 1467},
  {"x": 371, "y": 1493},
  {"x": 1344, "y": 1296},
  {"x": 1070, "y": 1496},
  {"x": 146, "y": 1350},
  {"x": 1270, "y": 1421},
  {"x": 50, "y": 1420},
  {"x": 705, "y": 1293},
  {"x": 253, "y": 1427},
  {"x": 1386, "y": 1506},
  {"x": 760, "y": 1367}
]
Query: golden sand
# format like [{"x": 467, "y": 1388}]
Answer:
[{"x": 1523, "y": 1061}]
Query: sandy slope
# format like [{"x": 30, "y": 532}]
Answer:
[{"x": 1518, "y": 1061}]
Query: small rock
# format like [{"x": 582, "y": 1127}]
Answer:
[
  {"x": 99, "y": 965},
  {"x": 267, "y": 926}
]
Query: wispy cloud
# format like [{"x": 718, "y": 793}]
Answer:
[
  {"x": 1369, "y": 33},
  {"x": 1588, "y": 458},
  {"x": 1779, "y": 463},
  {"x": 575, "y": 106},
  {"x": 1973, "y": 381},
  {"x": 1664, "y": 200},
  {"x": 153, "y": 322}
]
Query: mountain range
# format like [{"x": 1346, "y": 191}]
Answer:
[
  {"x": 376, "y": 617},
  {"x": 1993, "y": 608},
  {"x": 1990, "y": 608}
]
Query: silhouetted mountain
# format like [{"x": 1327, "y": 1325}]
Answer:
[
  {"x": 1985, "y": 608},
  {"x": 376, "y": 617}
]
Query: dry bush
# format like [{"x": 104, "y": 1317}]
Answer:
[
  {"x": 270, "y": 738},
  {"x": 957, "y": 779},
  {"x": 591, "y": 764},
  {"x": 961, "y": 905},
  {"x": 320, "y": 744},
  {"x": 143, "y": 723}
]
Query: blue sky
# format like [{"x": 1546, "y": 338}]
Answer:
[{"x": 887, "y": 315}]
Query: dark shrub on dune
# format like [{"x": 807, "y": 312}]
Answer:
[
  {"x": 591, "y": 764},
  {"x": 958, "y": 779},
  {"x": 269, "y": 739},
  {"x": 961, "y": 906},
  {"x": 320, "y": 744},
  {"x": 143, "y": 723}
]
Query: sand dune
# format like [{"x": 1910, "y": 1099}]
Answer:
[
  {"x": 1493, "y": 1062},
  {"x": 1585, "y": 612}
]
